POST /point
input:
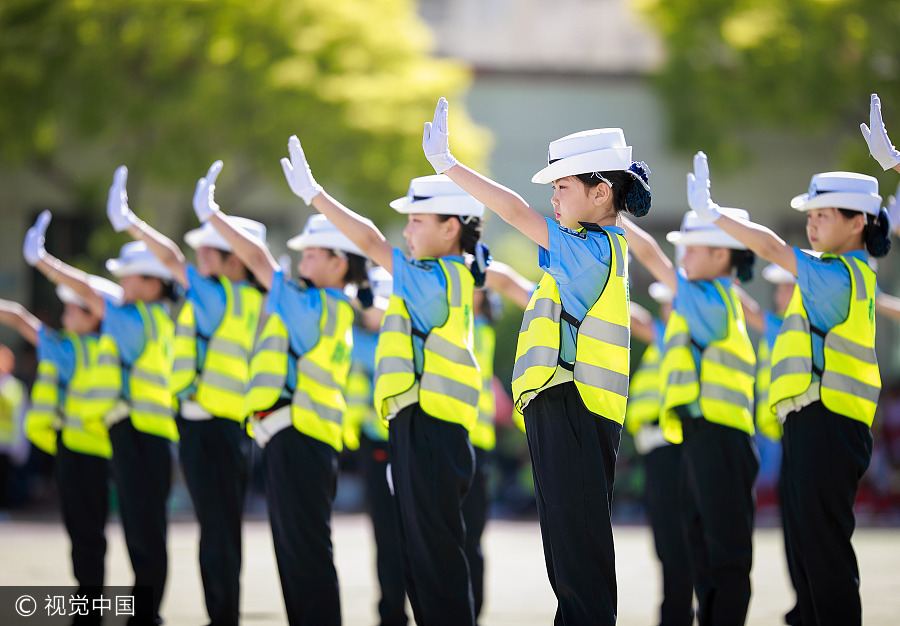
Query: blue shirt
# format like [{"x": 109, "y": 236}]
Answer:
[
  {"x": 126, "y": 327},
  {"x": 423, "y": 287},
  {"x": 579, "y": 262},
  {"x": 825, "y": 287},
  {"x": 58, "y": 349},
  {"x": 771, "y": 327}
]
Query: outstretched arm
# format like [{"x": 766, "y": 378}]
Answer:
[
  {"x": 357, "y": 228},
  {"x": 889, "y": 306},
  {"x": 20, "y": 319},
  {"x": 251, "y": 251},
  {"x": 509, "y": 283},
  {"x": 753, "y": 314},
  {"x": 55, "y": 270},
  {"x": 649, "y": 254},
  {"x": 122, "y": 218},
  {"x": 504, "y": 202},
  {"x": 756, "y": 237}
]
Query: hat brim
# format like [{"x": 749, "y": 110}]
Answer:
[
  {"x": 329, "y": 242},
  {"x": 206, "y": 238},
  {"x": 777, "y": 275},
  {"x": 867, "y": 203},
  {"x": 140, "y": 268},
  {"x": 464, "y": 205},
  {"x": 608, "y": 159},
  {"x": 714, "y": 238}
]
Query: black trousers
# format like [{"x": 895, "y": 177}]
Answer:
[
  {"x": 573, "y": 457},
  {"x": 825, "y": 455},
  {"x": 475, "y": 511},
  {"x": 432, "y": 465},
  {"x": 84, "y": 498},
  {"x": 664, "y": 495},
  {"x": 142, "y": 468},
  {"x": 383, "y": 511},
  {"x": 214, "y": 457},
  {"x": 720, "y": 466},
  {"x": 301, "y": 481}
]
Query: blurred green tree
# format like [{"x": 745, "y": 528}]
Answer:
[
  {"x": 167, "y": 87},
  {"x": 803, "y": 65}
]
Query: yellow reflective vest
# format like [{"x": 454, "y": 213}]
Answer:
[
  {"x": 360, "y": 394},
  {"x": 603, "y": 342},
  {"x": 725, "y": 382},
  {"x": 317, "y": 402},
  {"x": 766, "y": 421},
  {"x": 450, "y": 383},
  {"x": 483, "y": 433},
  {"x": 850, "y": 382},
  {"x": 43, "y": 418},
  {"x": 87, "y": 401},
  {"x": 643, "y": 392}
]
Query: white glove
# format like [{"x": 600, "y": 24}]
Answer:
[
  {"x": 204, "y": 195},
  {"x": 33, "y": 249},
  {"x": 436, "y": 140},
  {"x": 698, "y": 190},
  {"x": 298, "y": 174},
  {"x": 120, "y": 216},
  {"x": 876, "y": 136},
  {"x": 893, "y": 211}
]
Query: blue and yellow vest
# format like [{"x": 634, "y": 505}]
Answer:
[{"x": 482, "y": 434}]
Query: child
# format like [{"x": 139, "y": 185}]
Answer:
[
  {"x": 572, "y": 362},
  {"x": 427, "y": 380},
  {"x": 825, "y": 378}
]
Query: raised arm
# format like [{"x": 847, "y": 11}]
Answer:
[
  {"x": 641, "y": 323},
  {"x": 251, "y": 251},
  {"x": 20, "y": 319},
  {"x": 756, "y": 237},
  {"x": 504, "y": 202},
  {"x": 649, "y": 254},
  {"x": 753, "y": 313},
  {"x": 55, "y": 270},
  {"x": 509, "y": 283},
  {"x": 123, "y": 218},
  {"x": 358, "y": 229},
  {"x": 880, "y": 146},
  {"x": 889, "y": 306}
]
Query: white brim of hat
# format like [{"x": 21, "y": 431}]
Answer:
[
  {"x": 660, "y": 292},
  {"x": 138, "y": 268},
  {"x": 459, "y": 204},
  {"x": 329, "y": 241},
  {"x": 206, "y": 238},
  {"x": 608, "y": 159},
  {"x": 867, "y": 203},
  {"x": 713, "y": 237},
  {"x": 106, "y": 289},
  {"x": 777, "y": 275}
]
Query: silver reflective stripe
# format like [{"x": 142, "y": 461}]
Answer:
[
  {"x": 273, "y": 343},
  {"x": 792, "y": 365},
  {"x": 263, "y": 379},
  {"x": 394, "y": 365},
  {"x": 449, "y": 387},
  {"x": 396, "y": 323},
  {"x": 795, "y": 322},
  {"x": 712, "y": 391},
  {"x": 602, "y": 378},
  {"x": 681, "y": 377},
  {"x": 152, "y": 322},
  {"x": 606, "y": 332},
  {"x": 227, "y": 347},
  {"x": 851, "y": 349},
  {"x": 729, "y": 360},
  {"x": 330, "y": 316},
  {"x": 848, "y": 384},
  {"x": 238, "y": 301},
  {"x": 147, "y": 377},
  {"x": 859, "y": 279},
  {"x": 184, "y": 363},
  {"x": 43, "y": 407},
  {"x": 152, "y": 408},
  {"x": 107, "y": 359},
  {"x": 96, "y": 394},
  {"x": 455, "y": 284},
  {"x": 535, "y": 357},
  {"x": 307, "y": 368},
  {"x": 222, "y": 381},
  {"x": 302, "y": 400},
  {"x": 446, "y": 349},
  {"x": 183, "y": 330},
  {"x": 644, "y": 396},
  {"x": 543, "y": 307},
  {"x": 678, "y": 340},
  {"x": 620, "y": 258}
]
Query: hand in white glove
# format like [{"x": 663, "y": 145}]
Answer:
[
  {"x": 298, "y": 174},
  {"x": 204, "y": 195},
  {"x": 698, "y": 185},
  {"x": 893, "y": 210},
  {"x": 876, "y": 137},
  {"x": 33, "y": 249},
  {"x": 436, "y": 140},
  {"x": 120, "y": 216}
]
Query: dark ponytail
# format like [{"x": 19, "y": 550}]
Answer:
[
  {"x": 742, "y": 261},
  {"x": 469, "y": 236},
  {"x": 357, "y": 274},
  {"x": 876, "y": 233},
  {"x": 631, "y": 187}
]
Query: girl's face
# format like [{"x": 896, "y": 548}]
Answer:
[
  {"x": 78, "y": 320},
  {"x": 705, "y": 262},
  {"x": 573, "y": 203},
  {"x": 828, "y": 230},
  {"x": 209, "y": 261},
  {"x": 322, "y": 267},
  {"x": 140, "y": 288},
  {"x": 429, "y": 237}
]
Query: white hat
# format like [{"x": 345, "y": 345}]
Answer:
[
  {"x": 107, "y": 289},
  {"x": 777, "y": 275},
  {"x": 136, "y": 259},
  {"x": 437, "y": 194},
  {"x": 696, "y": 232},
  {"x": 843, "y": 190},
  {"x": 207, "y": 235},
  {"x": 597, "y": 150},
  {"x": 661, "y": 292},
  {"x": 382, "y": 284},
  {"x": 321, "y": 233}
]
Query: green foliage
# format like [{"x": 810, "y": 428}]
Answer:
[
  {"x": 804, "y": 65},
  {"x": 167, "y": 87}
]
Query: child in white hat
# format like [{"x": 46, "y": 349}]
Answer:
[
  {"x": 572, "y": 361},
  {"x": 136, "y": 343},
  {"x": 825, "y": 378},
  {"x": 427, "y": 380}
]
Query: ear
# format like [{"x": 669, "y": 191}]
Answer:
[
  {"x": 858, "y": 224},
  {"x": 450, "y": 228},
  {"x": 601, "y": 194}
]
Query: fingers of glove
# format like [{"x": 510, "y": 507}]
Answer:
[
  {"x": 213, "y": 172},
  {"x": 701, "y": 166}
]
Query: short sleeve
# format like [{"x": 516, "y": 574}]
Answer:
[
  {"x": 825, "y": 287},
  {"x": 701, "y": 305},
  {"x": 54, "y": 347},
  {"x": 208, "y": 297},
  {"x": 126, "y": 327},
  {"x": 300, "y": 309},
  {"x": 423, "y": 287}
]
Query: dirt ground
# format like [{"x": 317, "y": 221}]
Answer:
[{"x": 518, "y": 594}]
